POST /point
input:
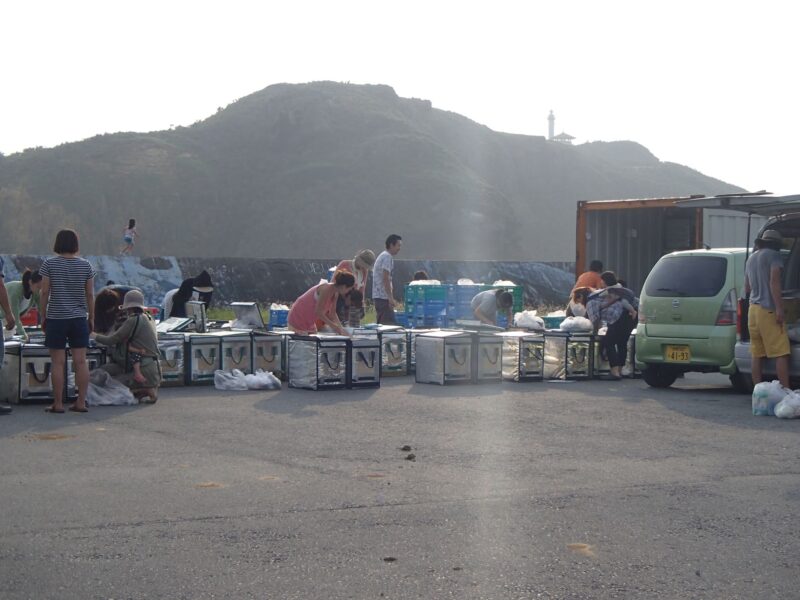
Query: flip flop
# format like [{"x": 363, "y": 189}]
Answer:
[
  {"x": 76, "y": 409},
  {"x": 50, "y": 409}
]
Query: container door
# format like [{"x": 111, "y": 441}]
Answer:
[
  {"x": 531, "y": 364},
  {"x": 236, "y": 354},
  {"x": 332, "y": 365},
  {"x": 172, "y": 371}
]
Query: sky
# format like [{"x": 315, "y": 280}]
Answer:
[{"x": 707, "y": 84}]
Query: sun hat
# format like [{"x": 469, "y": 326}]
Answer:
[
  {"x": 133, "y": 299},
  {"x": 202, "y": 283},
  {"x": 770, "y": 235},
  {"x": 366, "y": 256}
]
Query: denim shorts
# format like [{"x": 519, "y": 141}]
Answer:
[{"x": 60, "y": 331}]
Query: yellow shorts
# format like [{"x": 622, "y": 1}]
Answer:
[{"x": 767, "y": 338}]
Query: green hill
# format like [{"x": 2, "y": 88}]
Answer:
[{"x": 322, "y": 169}]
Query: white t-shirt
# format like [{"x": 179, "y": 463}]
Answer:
[{"x": 384, "y": 262}]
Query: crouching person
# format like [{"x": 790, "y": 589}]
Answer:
[{"x": 134, "y": 345}]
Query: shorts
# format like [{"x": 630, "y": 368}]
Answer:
[
  {"x": 60, "y": 331},
  {"x": 127, "y": 240},
  {"x": 767, "y": 338}
]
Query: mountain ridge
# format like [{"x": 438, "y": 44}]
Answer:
[{"x": 322, "y": 169}]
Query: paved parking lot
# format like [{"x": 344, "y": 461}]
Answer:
[{"x": 537, "y": 490}]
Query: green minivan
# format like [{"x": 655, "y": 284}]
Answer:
[{"x": 687, "y": 316}]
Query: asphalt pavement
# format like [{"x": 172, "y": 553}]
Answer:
[{"x": 532, "y": 490}]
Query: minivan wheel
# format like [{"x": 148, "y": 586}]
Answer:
[
  {"x": 659, "y": 377},
  {"x": 742, "y": 382}
]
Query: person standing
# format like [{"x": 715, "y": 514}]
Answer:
[
  {"x": 382, "y": 290},
  {"x": 129, "y": 235},
  {"x": 10, "y": 321},
  {"x": 67, "y": 300},
  {"x": 591, "y": 278},
  {"x": 765, "y": 320}
]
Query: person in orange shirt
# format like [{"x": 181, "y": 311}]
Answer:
[{"x": 591, "y": 278}]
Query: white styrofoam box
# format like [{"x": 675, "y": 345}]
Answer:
[
  {"x": 235, "y": 350},
  {"x": 488, "y": 354},
  {"x": 318, "y": 362},
  {"x": 365, "y": 362},
  {"x": 268, "y": 353},
  {"x": 601, "y": 365},
  {"x": 202, "y": 356},
  {"x": 444, "y": 357},
  {"x": 567, "y": 355},
  {"x": 9, "y": 375},
  {"x": 413, "y": 334},
  {"x": 394, "y": 347},
  {"x": 523, "y": 355},
  {"x": 171, "y": 347}
]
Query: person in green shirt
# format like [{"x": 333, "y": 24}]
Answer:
[{"x": 22, "y": 296}]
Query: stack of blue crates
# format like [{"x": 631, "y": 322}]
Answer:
[{"x": 442, "y": 305}]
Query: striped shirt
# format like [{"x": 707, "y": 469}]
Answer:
[{"x": 68, "y": 277}]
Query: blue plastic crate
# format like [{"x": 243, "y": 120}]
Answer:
[
  {"x": 278, "y": 318},
  {"x": 402, "y": 319},
  {"x": 433, "y": 308}
]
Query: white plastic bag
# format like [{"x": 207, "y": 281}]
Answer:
[
  {"x": 465, "y": 281},
  {"x": 793, "y": 333},
  {"x": 276, "y": 306},
  {"x": 104, "y": 390},
  {"x": 425, "y": 282},
  {"x": 766, "y": 396},
  {"x": 262, "y": 380},
  {"x": 236, "y": 380},
  {"x": 576, "y": 324},
  {"x": 504, "y": 283},
  {"x": 789, "y": 407},
  {"x": 528, "y": 320},
  {"x": 230, "y": 380}
]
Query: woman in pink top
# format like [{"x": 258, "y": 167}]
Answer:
[{"x": 316, "y": 308}]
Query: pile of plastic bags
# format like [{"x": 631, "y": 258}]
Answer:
[
  {"x": 576, "y": 324},
  {"x": 528, "y": 320},
  {"x": 104, "y": 390},
  {"x": 771, "y": 398},
  {"x": 236, "y": 380}
]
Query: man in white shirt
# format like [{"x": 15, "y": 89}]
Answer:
[{"x": 382, "y": 291}]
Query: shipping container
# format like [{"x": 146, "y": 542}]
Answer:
[{"x": 629, "y": 236}]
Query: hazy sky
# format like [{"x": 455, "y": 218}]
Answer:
[{"x": 709, "y": 84}]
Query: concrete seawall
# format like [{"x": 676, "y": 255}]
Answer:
[{"x": 268, "y": 280}]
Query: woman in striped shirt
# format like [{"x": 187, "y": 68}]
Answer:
[{"x": 67, "y": 301}]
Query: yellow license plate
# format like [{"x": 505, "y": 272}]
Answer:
[{"x": 677, "y": 354}]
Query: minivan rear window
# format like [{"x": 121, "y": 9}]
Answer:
[{"x": 687, "y": 276}]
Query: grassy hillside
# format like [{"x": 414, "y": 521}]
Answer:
[{"x": 323, "y": 169}]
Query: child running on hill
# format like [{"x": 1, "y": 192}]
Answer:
[{"x": 129, "y": 237}]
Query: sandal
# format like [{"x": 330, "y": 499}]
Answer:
[
  {"x": 58, "y": 411},
  {"x": 74, "y": 408},
  {"x": 149, "y": 398}
]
